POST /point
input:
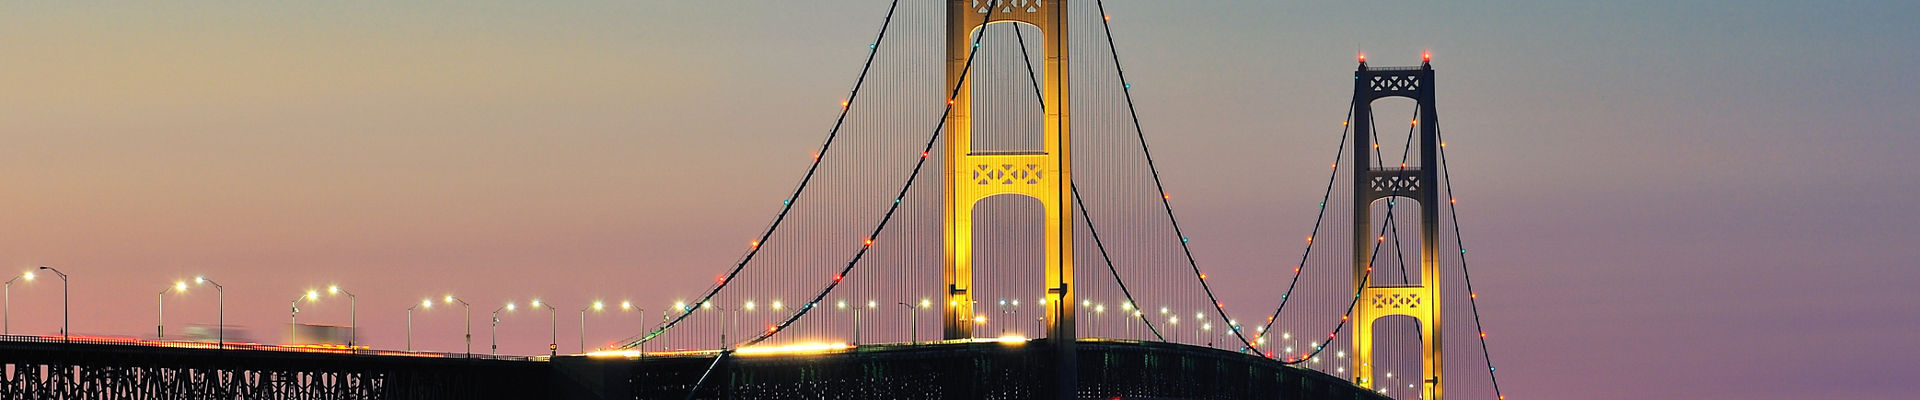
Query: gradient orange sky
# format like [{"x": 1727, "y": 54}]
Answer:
[{"x": 1667, "y": 200}]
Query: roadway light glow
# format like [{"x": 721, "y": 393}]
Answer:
[
  {"x": 535, "y": 302},
  {"x": 333, "y": 289},
  {"x": 626, "y": 305},
  {"x": 597, "y": 305},
  {"x": 180, "y": 286},
  {"x": 199, "y": 280},
  {"x": 448, "y": 299},
  {"x": 777, "y": 306},
  {"x": 510, "y": 306},
  {"x": 426, "y": 303},
  {"x": 924, "y": 303},
  {"x": 870, "y": 304},
  {"x": 749, "y": 305},
  {"x": 27, "y": 276},
  {"x": 313, "y": 296}
]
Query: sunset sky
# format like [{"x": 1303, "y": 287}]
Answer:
[{"x": 1693, "y": 199}]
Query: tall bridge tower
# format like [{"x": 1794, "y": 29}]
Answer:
[
  {"x": 1416, "y": 180},
  {"x": 974, "y": 175}
]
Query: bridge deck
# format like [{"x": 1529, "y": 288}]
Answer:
[
  {"x": 960, "y": 370},
  {"x": 950, "y": 370}
]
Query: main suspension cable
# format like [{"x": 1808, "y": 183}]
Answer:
[
  {"x": 787, "y": 205},
  {"x": 1473, "y": 298},
  {"x": 1080, "y": 202},
  {"x": 918, "y": 165}
]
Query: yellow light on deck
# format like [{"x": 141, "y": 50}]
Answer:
[
  {"x": 808, "y": 348},
  {"x": 28, "y": 275}
]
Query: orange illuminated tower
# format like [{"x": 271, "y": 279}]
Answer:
[
  {"x": 1416, "y": 180},
  {"x": 973, "y": 175}
]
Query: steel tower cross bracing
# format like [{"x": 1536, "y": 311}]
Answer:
[
  {"x": 1045, "y": 175},
  {"x": 972, "y": 176},
  {"x": 1418, "y": 182}
]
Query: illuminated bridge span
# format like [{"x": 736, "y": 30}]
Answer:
[{"x": 994, "y": 175}]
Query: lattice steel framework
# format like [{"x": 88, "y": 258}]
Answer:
[
  {"x": 1417, "y": 182},
  {"x": 99, "y": 371}
]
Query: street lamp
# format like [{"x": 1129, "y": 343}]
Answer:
[
  {"x": 856, "y": 317},
  {"x": 9, "y": 300},
  {"x": 597, "y": 306},
  {"x": 353, "y": 313},
  {"x": 161, "y": 322},
  {"x": 221, "y": 341},
  {"x": 295, "y": 314},
  {"x": 914, "y": 326},
  {"x": 1100, "y": 316},
  {"x": 553, "y": 343},
  {"x": 493, "y": 331},
  {"x": 424, "y": 303},
  {"x": 65, "y": 330},
  {"x": 463, "y": 303}
]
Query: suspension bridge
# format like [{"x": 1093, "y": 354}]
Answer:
[{"x": 988, "y": 169}]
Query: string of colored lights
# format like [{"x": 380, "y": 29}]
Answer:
[
  {"x": 918, "y": 166},
  {"x": 787, "y": 205},
  {"x": 1366, "y": 276},
  {"x": 1166, "y": 201},
  {"x": 1473, "y": 298},
  {"x": 1320, "y": 217},
  {"x": 1080, "y": 202}
]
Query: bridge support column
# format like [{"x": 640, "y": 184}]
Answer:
[
  {"x": 1045, "y": 175},
  {"x": 1417, "y": 180}
]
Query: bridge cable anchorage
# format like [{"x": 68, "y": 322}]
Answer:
[
  {"x": 1080, "y": 202},
  {"x": 919, "y": 165},
  {"x": 788, "y": 204},
  {"x": 1473, "y": 299}
]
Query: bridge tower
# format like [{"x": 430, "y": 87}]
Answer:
[
  {"x": 972, "y": 176},
  {"x": 1417, "y": 180}
]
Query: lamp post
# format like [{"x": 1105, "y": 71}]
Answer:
[
  {"x": 914, "y": 325},
  {"x": 553, "y": 342},
  {"x": 295, "y": 318},
  {"x": 1100, "y": 316},
  {"x": 9, "y": 300},
  {"x": 221, "y": 338},
  {"x": 708, "y": 305},
  {"x": 463, "y": 303},
  {"x": 353, "y": 313},
  {"x": 597, "y": 306},
  {"x": 65, "y": 330},
  {"x": 424, "y": 303},
  {"x": 160, "y": 325},
  {"x": 493, "y": 331}
]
